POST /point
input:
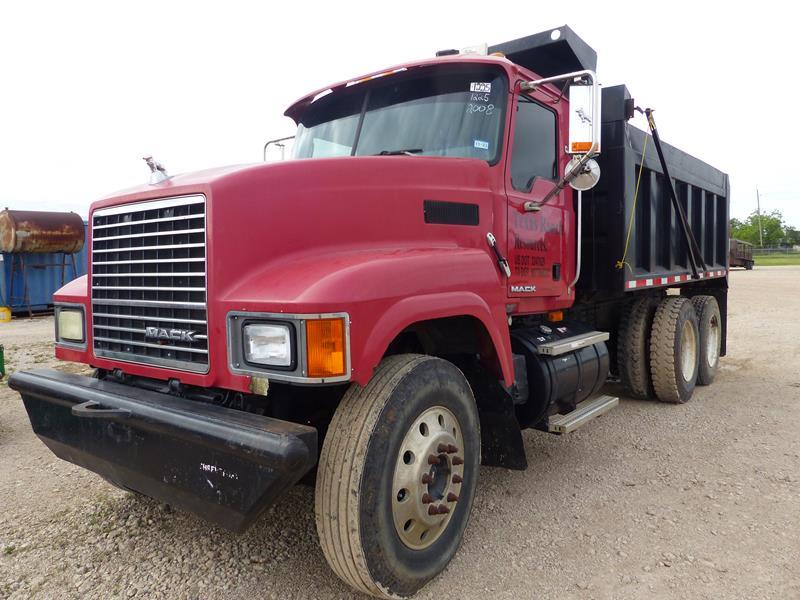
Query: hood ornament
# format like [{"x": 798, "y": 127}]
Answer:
[{"x": 157, "y": 171}]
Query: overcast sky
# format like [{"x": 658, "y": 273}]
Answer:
[{"x": 88, "y": 88}]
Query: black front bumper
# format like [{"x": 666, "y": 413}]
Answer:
[{"x": 225, "y": 465}]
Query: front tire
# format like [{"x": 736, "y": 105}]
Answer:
[{"x": 397, "y": 476}]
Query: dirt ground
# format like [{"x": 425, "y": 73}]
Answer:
[{"x": 649, "y": 501}]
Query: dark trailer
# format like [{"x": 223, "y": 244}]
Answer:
[{"x": 741, "y": 254}]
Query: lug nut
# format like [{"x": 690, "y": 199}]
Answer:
[
  {"x": 426, "y": 478},
  {"x": 433, "y": 459},
  {"x": 451, "y": 449},
  {"x": 457, "y": 460},
  {"x": 441, "y": 448},
  {"x": 438, "y": 510},
  {"x": 451, "y": 497},
  {"x": 457, "y": 479},
  {"x": 427, "y": 498}
]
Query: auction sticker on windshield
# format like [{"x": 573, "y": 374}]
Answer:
[{"x": 479, "y": 87}]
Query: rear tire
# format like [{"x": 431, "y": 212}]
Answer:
[
  {"x": 407, "y": 441},
  {"x": 633, "y": 348},
  {"x": 674, "y": 350},
  {"x": 710, "y": 326}
]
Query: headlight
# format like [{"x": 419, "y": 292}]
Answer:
[
  {"x": 268, "y": 344},
  {"x": 70, "y": 325}
]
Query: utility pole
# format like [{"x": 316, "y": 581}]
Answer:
[{"x": 758, "y": 210}]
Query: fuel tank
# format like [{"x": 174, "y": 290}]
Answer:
[
  {"x": 558, "y": 383},
  {"x": 40, "y": 231}
]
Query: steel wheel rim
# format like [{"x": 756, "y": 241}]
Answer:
[
  {"x": 429, "y": 471},
  {"x": 688, "y": 351},
  {"x": 713, "y": 341}
]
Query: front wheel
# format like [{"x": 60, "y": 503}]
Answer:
[{"x": 397, "y": 476}]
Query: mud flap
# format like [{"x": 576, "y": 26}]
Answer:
[
  {"x": 224, "y": 465},
  {"x": 501, "y": 435}
]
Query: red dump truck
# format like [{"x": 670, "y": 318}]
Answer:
[{"x": 459, "y": 249}]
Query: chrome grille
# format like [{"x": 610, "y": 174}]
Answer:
[{"x": 149, "y": 283}]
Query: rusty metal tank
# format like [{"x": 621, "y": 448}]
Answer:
[{"x": 40, "y": 231}]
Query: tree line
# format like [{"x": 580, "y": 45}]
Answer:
[{"x": 774, "y": 231}]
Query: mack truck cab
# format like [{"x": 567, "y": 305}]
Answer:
[{"x": 457, "y": 249}]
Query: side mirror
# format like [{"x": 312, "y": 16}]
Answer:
[
  {"x": 584, "y": 119},
  {"x": 586, "y": 176}
]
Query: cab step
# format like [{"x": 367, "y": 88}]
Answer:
[
  {"x": 583, "y": 413},
  {"x": 576, "y": 342}
]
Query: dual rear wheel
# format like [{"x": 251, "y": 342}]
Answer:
[{"x": 666, "y": 347}]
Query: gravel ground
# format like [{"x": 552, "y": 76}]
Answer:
[{"x": 657, "y": 501}]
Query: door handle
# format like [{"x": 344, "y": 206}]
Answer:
[
  {"x": 501, "y": 260},
  {"x": 531, "y": 206}
]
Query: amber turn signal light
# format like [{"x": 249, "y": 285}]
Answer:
[
  {"x": 555, "y": 316},
  {"x": 325, "y": 347}
]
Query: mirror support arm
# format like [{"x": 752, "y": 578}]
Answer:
[
  {"x": 564, "y": 181},
  {"x": 277, "y": 143}
]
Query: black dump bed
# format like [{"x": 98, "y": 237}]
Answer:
[{"x": 656, "y": 253}]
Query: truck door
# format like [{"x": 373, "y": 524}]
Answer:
[{"x": 535, "y": 238}]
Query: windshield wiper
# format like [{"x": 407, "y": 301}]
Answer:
[{"x": 408, "y": 151}]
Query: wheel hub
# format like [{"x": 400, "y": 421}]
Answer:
[
  {"x": 429, "y": 471},
  {"x": 713, "y": 342},
  {"x": 688, "y": 356}
]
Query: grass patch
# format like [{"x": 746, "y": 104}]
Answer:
[{"x": 772, "y": 260}]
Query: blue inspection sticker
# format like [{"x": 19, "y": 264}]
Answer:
[{"x": 481, "y": 144}]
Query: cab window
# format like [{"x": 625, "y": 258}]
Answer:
[{"x": 534, "y": 151}]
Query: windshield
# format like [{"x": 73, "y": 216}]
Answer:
[{"x": 454, "y": 110}]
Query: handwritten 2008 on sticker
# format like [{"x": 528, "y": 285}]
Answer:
[{"x": 479, "y": 87}]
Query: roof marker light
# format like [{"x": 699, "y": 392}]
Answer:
[
  {"x": 482, "y": 49},
  {"x": 376, "y": 76}
]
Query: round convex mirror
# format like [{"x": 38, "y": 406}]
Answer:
[{"x": 587, "y": 178}]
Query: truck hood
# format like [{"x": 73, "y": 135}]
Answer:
[
  {"x": 276, "y": 231},
  {"x": 299, "y": 177}
]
